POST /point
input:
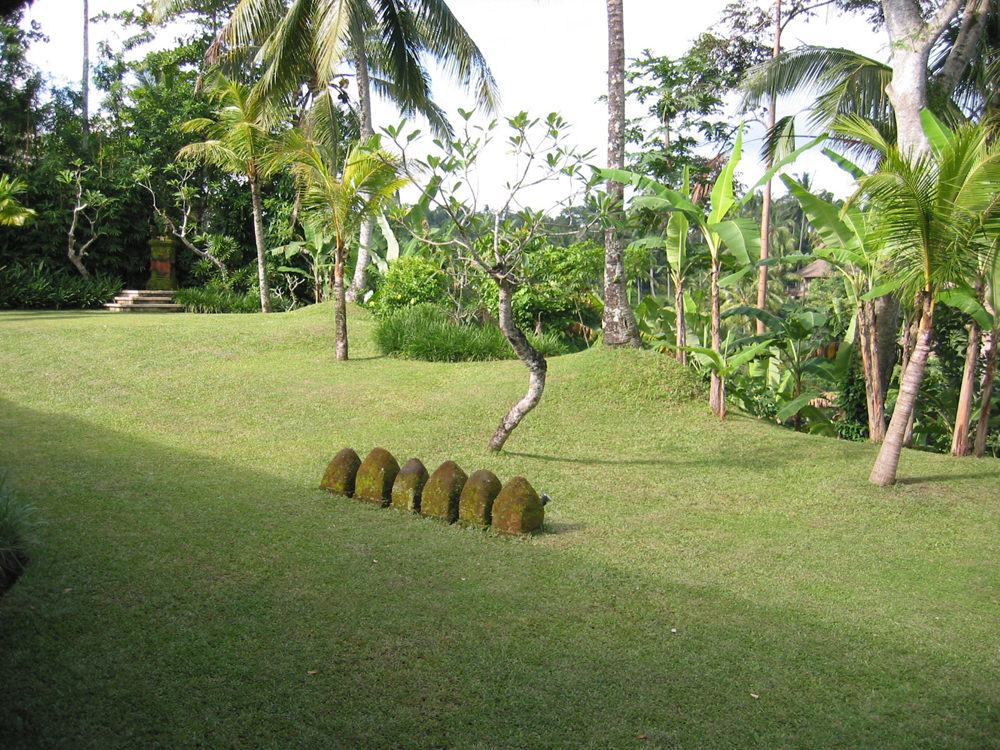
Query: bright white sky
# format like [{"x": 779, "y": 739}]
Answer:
[{"x": 547, "y": 55}]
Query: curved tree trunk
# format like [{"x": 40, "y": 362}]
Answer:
[
  {"x": 963, "y": 415},
  {"x": 258, "y": 235},
  {"x": 989, "y": 371},
  {"x": 528, "y": 355},
  {"x": 884, "y": 470},
  {"x": 620, "y": 328},
  {"x": 339, "y": 305},
  {"x": 367, "y": 130}
]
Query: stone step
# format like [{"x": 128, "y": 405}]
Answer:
[{"x": 144, "y": 300}]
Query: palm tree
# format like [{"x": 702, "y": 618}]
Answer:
[
  {"x": 937, "y": 214},
  {"x": 305, "y": 41},
  {"x": 12, "y": 213},
  {"x": 336, "y": 201},
  {"x": 620, "y": 328},
  {"x": 240, "y": 139}
]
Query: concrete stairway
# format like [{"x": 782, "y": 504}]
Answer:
[{"x": 144, "y": 300}]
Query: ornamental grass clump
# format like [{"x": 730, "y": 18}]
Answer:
[{"x": 15, "y": 522}]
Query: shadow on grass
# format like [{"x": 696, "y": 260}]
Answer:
[{"x": 180, "y": 599}]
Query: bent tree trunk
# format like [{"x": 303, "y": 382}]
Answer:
[
  {"x": 339, "y": 305},
  {"x": 528, "y": 355},
  {"x": 884, "y": 470},
  {"x": 258, "y": 235}
]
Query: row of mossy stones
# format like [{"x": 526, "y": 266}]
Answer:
[{"x": 449, "y": 494}]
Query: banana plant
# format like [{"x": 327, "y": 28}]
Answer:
[
  {"x": 722, "y": 233},
  {"x": 317, "y": 249},
  {"x": 853, "y": 247},
  {"x": 794, "y": 375}
]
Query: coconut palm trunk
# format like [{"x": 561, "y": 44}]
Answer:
[
  {"x": 258, "y": 235},
  {"x": 366, "y": 130},
  {"x": 620, "y": 328},
  {"x": 989, "y": 372},
  {"x": 528, "y": 355},
  {"x": 884, "y": 471},
  {"x": 339, "y": 305},
  {"x": 874, "y": 384},
  {"x": 765, "y": 211},
  {"x": 963, "y": 415}
]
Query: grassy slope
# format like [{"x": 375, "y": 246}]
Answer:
[{"x": 190, "y": 586}]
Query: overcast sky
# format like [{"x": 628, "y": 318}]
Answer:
[{"x": 547, "y": 55}]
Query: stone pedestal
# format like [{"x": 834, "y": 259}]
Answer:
[{"x": 161, "y": 266}]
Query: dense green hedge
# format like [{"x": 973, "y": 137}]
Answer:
[
  {"x": 426, "y": 332},
  {"x": 37, "y": 287}
]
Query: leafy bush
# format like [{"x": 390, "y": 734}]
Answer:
[
  {"x": 15, "y": 521},
  {"x": 216, "y": 298},
  {"x": 426, "y": 332},
  {"x": 37, "y": 287},
  {"x": 408, "y": 282}
]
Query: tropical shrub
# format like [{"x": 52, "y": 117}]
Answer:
[
  {"x": 217, "y": 298},
  {"x": 427, "y": 332},
  {"x": 15, "y": 522},
  {"x": 407, "y": 282},
  {"x": 37, "y": 287}
]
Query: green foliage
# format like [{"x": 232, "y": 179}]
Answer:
[
  {"x": 426, "y": 332},
  {"x": 38, "y": 287},
  {"x": 16, "y": 520},
  {"x": 408, "y": 282},
  {"x": 218, "y": 298}
]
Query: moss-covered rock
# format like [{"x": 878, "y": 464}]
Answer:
[
  {"x": 518, "y": 509},
  {"x": 341, "y": 473},
  {"x": 409, "y": 486},
  {"x": 475, "y": 506},
  {"x": 442, "y": 492},
  {"x": 375, "y": 477}
]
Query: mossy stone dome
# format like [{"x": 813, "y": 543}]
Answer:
[
  {"x": 475, "y": 506},
  {"x": 518, "y": 509},
  {"x": 409, "y": 486},
  {"x": 375, "y": 477},
  {"x": 341, "y": 473},
  {"x": 442, "y": 492}
]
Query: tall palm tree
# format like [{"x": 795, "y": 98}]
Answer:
[
  {"x": 239, "y": 140},
  {"x": 336, "y": 198},
  {"x": 937, "y": 214},
  {"x": 388, "y": 41},
  {"x": 620, "y": 328}
]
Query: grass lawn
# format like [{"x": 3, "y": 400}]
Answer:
[{"x": 699, "y": 585}]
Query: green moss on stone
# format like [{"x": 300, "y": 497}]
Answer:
[
  {"x": 375, "y": 477},
  {"x": 442, "y": 492},
  {"x": 341, "y": 473},
  {"x": 475, "y": 506},
  {"x": 409, "y": 486},
  {"x": 518, "y": 509}
]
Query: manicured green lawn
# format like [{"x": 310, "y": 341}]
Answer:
[{"x": 700, "y": 585}]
